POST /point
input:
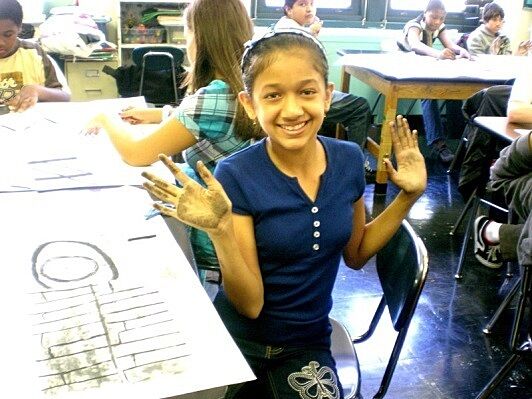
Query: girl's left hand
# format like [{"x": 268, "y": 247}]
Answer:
[{"x": 411, "y": 174}]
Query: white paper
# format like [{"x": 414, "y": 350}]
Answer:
[{"x": 98, "y": 314}]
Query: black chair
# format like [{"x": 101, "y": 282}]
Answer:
[
  {"x": 157, "y": 64},
  {"x": 402, "y": 267},
  {"x": 520, "y": 345}
]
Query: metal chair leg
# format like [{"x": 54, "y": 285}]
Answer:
[
  {"x": 467, "y": 234},
  {"x": 504, "y": 304},
  {"x": 464, "y": 212},
  {"x": 497, "y": 378}
]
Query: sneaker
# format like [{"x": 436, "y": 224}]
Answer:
[
  {"x": 488, "y": 255},
  {"x": 444, "y": 154},
  {"x": 369, "y": 173}
]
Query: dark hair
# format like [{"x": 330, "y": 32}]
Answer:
[
  {"x": 492, "y": 11},
  {"x": 220, "y": 30},
  {"x": 11, "y": 10},
  {"x": 287, "y": 5},
  {"x": 435, "y": 5},
  {"x": 262, "y": 52}
]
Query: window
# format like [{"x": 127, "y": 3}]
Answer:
[
  {"x": 327, "y": 9},
  {"x": 320, "y": 4},
  {"x": 419, "y": 5}
]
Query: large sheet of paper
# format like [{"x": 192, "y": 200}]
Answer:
[
  {"x": 47, "y": 150},
  {"x": 409, "y": 66},
  {"x": 101, "y": 303}
]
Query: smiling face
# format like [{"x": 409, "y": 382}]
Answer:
[
  {"x": 303, "y": 12},
  {"x": 8, "y": 37},
  {"x": 289, "y": 99}
]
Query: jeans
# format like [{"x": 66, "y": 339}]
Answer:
[
  {"x": 288, "y": 373},
  {"x": 353, "y": 113},
  {"x": 432, "y": 121}
]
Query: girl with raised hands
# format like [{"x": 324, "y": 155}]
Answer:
[{"x": 281, "y": 214}]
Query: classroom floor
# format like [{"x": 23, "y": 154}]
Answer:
[{"x": 445, "y": 355}]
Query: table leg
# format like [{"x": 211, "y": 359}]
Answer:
[
  {"x": 345, "y": 79},
  {"x": 385, "y": 143}
]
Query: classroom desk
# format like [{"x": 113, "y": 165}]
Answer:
[
  {"x": 408, "y": 76},
  {"x": 97, "y": 300},
  {"x": 501, "y": 128}
]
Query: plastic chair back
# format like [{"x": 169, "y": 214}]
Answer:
[{"x": 402, "y": 266}]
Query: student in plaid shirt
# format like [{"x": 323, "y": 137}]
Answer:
[{"x": 209, "y": 124}]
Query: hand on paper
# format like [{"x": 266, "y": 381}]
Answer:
[
  {"x": 26, "y": 98},
  {"x": 411, "y": 174},
  {"x": 447, "y": 54},
  {"x": 208, "y": 209},
  {"x": 136, "y": 115}
]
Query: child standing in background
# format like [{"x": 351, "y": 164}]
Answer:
[
  {"x": 351, "y": 111},
  {"x": 419, "y": 35},
  {"x": 27, "y": 73},
  {"x": 281, "y": 214}
]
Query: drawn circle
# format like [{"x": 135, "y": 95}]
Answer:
[{"x": 60, "y": 268}]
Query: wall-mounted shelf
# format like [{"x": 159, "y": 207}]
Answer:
[{"x": 133, "y": 31}]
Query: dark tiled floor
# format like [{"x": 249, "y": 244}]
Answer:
[{"x": 445, "y": 355}]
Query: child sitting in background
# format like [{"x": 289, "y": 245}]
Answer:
[
  {"x": 486, "y": 39},
  {"x": 351, "y": 111},
  {"x": 27, "y": 73},
  {"x": 419, "y": 35}
]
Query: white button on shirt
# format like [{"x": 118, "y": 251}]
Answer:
[
  {"x": 315, "y": 247},
  {"x": 316, "y": 223},
  {"x": 314, "y": 209}
]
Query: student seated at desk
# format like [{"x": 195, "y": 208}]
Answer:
[
  {"x": 280, "y": 237},
  {"x": 209, "y": 124},
  {"x": 418, "y": 36},
  {"x": 486, "y": 39},
  {"x": 352, "y": 112},
  {"x": 512, "y": 174},
  {"x": 27, "y": 73}
]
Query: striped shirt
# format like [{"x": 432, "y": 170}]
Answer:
[{"x": 209, "y": 114}]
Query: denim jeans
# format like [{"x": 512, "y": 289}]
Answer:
[
  {"x": 432, "y": 121},
  {"x": 288, "y": 373},
  {"x": 353, "y": 113}
]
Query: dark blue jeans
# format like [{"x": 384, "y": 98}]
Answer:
[
  {"x": 288, "y": 373},
  {"x": 432, "y": 121}
]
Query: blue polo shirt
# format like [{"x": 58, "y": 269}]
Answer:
[{"x": 299, "y": 241}]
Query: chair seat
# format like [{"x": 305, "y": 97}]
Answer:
[{"x": 347, "y": 365}]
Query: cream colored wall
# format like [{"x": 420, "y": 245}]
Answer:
[{"x": 518, "y": 21}]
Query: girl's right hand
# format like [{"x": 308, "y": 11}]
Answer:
[
  {"x": 137, "y": 116},
  {"x": 315, "y": 27},
  {"x": 207, "y": 209}
]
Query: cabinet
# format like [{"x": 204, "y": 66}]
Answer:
[
  {"x": 133, "y": 31},
  {"x": 87, "y": 81}
]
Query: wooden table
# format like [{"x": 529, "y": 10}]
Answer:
[
  {"x": 500, "y": 127},
  {"x": 409, "y": 76}
]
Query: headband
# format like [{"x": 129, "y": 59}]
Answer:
[{"x": 272, "y": 32}]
